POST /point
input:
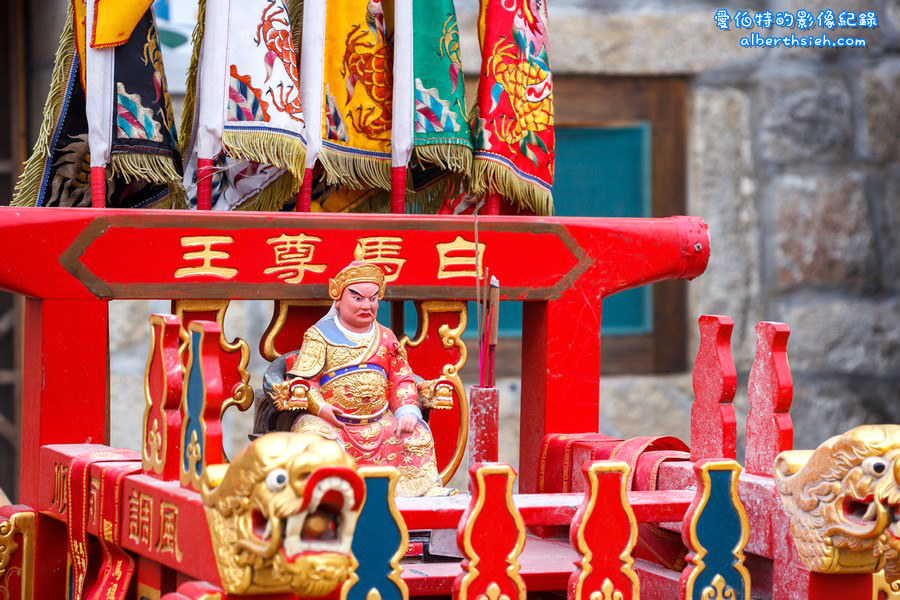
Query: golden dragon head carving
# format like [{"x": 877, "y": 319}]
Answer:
[
  {"x": 282, "y": 515},
  {"x": 843, "y": 500}
]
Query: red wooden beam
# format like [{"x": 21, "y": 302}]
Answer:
[{"x": 542, "y": 509}]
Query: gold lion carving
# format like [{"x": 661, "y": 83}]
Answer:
[
  {"x": 843, "y": 500},
  {"x": 282, "y": 515}
]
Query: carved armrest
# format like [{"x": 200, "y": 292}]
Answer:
[{"x": 436, "y": 394}]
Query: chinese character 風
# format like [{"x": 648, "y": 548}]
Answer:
[{"x": 293, "y": 256}]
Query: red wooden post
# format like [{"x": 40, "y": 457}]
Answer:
[
  {"x": 65, "y": 389},
  {"x": 304, "y": 196},
  {"x": 398, "y": 190},
  {"x": 484, "y": 407},
  {"x": 162, "y": 389},
  {"x": 771, "y": 390},
  {"x": 713, "y": 424},
  {"x": 204, "y": 183},
  {"x": 98, "y": 187},
  {"x": 491, "y": 535},
  {"x": 604, "y": 532}
]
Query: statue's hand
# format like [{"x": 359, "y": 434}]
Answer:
[
  {"x": 327, "y": 412},
  {"x": 406, "y": 424}
]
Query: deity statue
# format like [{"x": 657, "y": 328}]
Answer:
[{"x": 351, "y": 382}]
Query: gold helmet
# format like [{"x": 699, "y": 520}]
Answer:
[{"x": 356, "y": 272}]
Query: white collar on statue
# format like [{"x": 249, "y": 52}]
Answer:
[{"x": 360, "y": 338}]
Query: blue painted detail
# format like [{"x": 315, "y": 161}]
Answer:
[
  {"x": 719, "y": 532},
  {"x": 374, "y": 550},
  {"x": 344, "y": 370},
  {"x": 331, "y": 332},
  {"x": 196, "y": 392}
]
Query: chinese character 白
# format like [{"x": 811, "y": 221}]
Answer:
[
  {"x": 722, "y": 17},
  {"x": 784, "y": 19},
  {"x": 805, "y": 20},
  {"x": 825, "y": 19},
  {"x": 207, "y": 255},
  {"x": 384, "y": 252},
  {"x": 293, "y": 256},
  {"x": 464, "y": 262}
]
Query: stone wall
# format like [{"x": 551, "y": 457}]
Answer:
[{"x": 793, "y": 162}]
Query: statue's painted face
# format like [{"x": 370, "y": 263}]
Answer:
[{"x": 358, "y": 306}]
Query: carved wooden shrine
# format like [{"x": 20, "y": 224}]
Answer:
[{"x": 594, "y": 517}]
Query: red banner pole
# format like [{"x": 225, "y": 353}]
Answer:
[
  {"x": 204, "y": 183},
  {"x": 304, "y": 196},
  {"x": 98, "y": 187},
  {"x": 398, "y": 190}
]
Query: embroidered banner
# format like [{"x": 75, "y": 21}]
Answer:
[
  {"x": 251, "y": 125},
  {"x": 513, "y": 120},
  {"x": 442, "y": 135},
  {"x": 144, "y": 164}
]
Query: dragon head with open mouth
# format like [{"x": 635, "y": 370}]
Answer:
[
  {"x": 844, "y": 501},
  {"x": 282, "y": 515}
]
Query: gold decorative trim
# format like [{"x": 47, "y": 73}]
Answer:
[
  {"x": 738, "y": 552},
  {"x": 156, "y": 462},
  {"x": 881, "y": 589},
  {"x": 368, "y": 272},
  {"x": 512, "y": 558},
  {"x": 450, "y": 337},
  {"x": 219, "y": 307},
  {"x": 393, "y": 475},
  {"x": 267, "y": 346},
  {"x": 625, "y": 556},
  {"x": 23, "y": 524},
  {"x": 145, "y": 591}
]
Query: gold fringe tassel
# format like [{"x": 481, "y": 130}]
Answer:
[
  {"x": 176, "y": 198},
  {"x": 29, "y": 184},
  {"x": 295, "y": 16},
  {"x": 190, "y": 95},
  {"x": 147, "y": 167},
  {"x": 274, "y": 195},
  {"x": 488, "y": 175},
  {"x": 452, "y": 157},
  {"x": 355, "y": 172},
  {"x": 268, "y": 148},
  {"x": 430, "y": 199}
]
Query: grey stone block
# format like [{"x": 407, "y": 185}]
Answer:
[
  {"x": 839, "y": 335},
  {"x": 822, "y": 230},
  {"x": 805, "y": 117},
  {"x": 881, "y": 87}
]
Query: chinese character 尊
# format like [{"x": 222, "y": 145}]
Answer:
[
  {"x": 742, "y": 19},
  {"x": 784, "y": 19},
  {"x": 846, "y": 19},
  {"x": 805, "y": 20},
  {"x": 764, "y": 19},
  {"x": 384, "y": 252},
  {"x": 722, "y": 17},
  {"x": 825, "y": 19},
  {"x": 206, "y": 255},
  {"x": 293, "y": 257}
]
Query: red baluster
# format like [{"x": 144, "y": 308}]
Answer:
[
  {"x": 713, "y": 423},
  {"x": 771, "y": 390},
  {"x": 162, "y": 390},
  {"x": 604, "y": 532}
]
